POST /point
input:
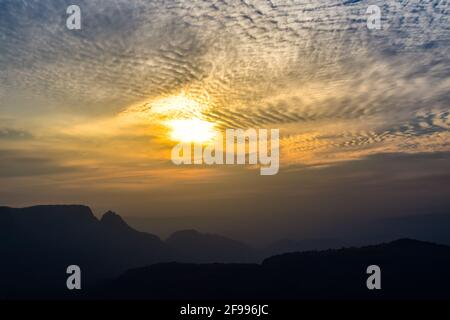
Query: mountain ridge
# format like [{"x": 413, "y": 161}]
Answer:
[
  {"x": 329, "y": 274},
  {"x": 38, "y": 243}
]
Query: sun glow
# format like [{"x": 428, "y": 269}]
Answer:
[
  {"x": 192, "y": 130},
  {"x": 178, "y": 107}
]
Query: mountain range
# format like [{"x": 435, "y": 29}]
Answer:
[
  {"x": 410, "y": 269},
  {"x": 38, "y": 243}
]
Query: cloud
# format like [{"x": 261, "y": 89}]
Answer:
[
  {"x": 337, "y": 90},
  {"x": 14, "y": 134},
  {"x": 18, "y": 163}
]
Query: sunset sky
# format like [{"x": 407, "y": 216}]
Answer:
[{"x": 88, "y": 116}]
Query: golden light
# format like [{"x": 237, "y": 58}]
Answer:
[
  {"x": 192, "y": 130},
  {"x": 178, "y": 107}
]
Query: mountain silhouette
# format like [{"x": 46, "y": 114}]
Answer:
[
  {"x": 290, "y": 245},
  {"x": 37, "y": 244},
  {"x": 432, "y": 227},
  {"x": 210, "y": 248},
  {"x": 410, "y": 269},
  {"x": 115, "y": 221}
]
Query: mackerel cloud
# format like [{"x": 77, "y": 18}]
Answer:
[{"x": 335, "y": 88}]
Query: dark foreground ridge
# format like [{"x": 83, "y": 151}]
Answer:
[
  {"x": 409, "y": 268},
  {"x": 38, "y": 243}
]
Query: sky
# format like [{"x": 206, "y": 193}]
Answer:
[{"x": 363, "y": 114}]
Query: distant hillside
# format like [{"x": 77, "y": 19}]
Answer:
[
  {"x": 432, "y": 227},
  {"x": 410, "y": 269},
  {"x": 209, "y": 248},
  {"x": 290, "y": 245}
]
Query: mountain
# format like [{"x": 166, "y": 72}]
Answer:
[
  {"x": 38, "y": 243},
  {"x": 290, "y": 245},
  {"x": 115, "y": 221},
  {"x": 409, "y": 269},
  {"x": 431, "y": 227},
  {"x": 202, "y": 248}
]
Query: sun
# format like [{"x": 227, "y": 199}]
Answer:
[
  {"x": 192, "y": 130},
  {"x": 183, "y": 116}
]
